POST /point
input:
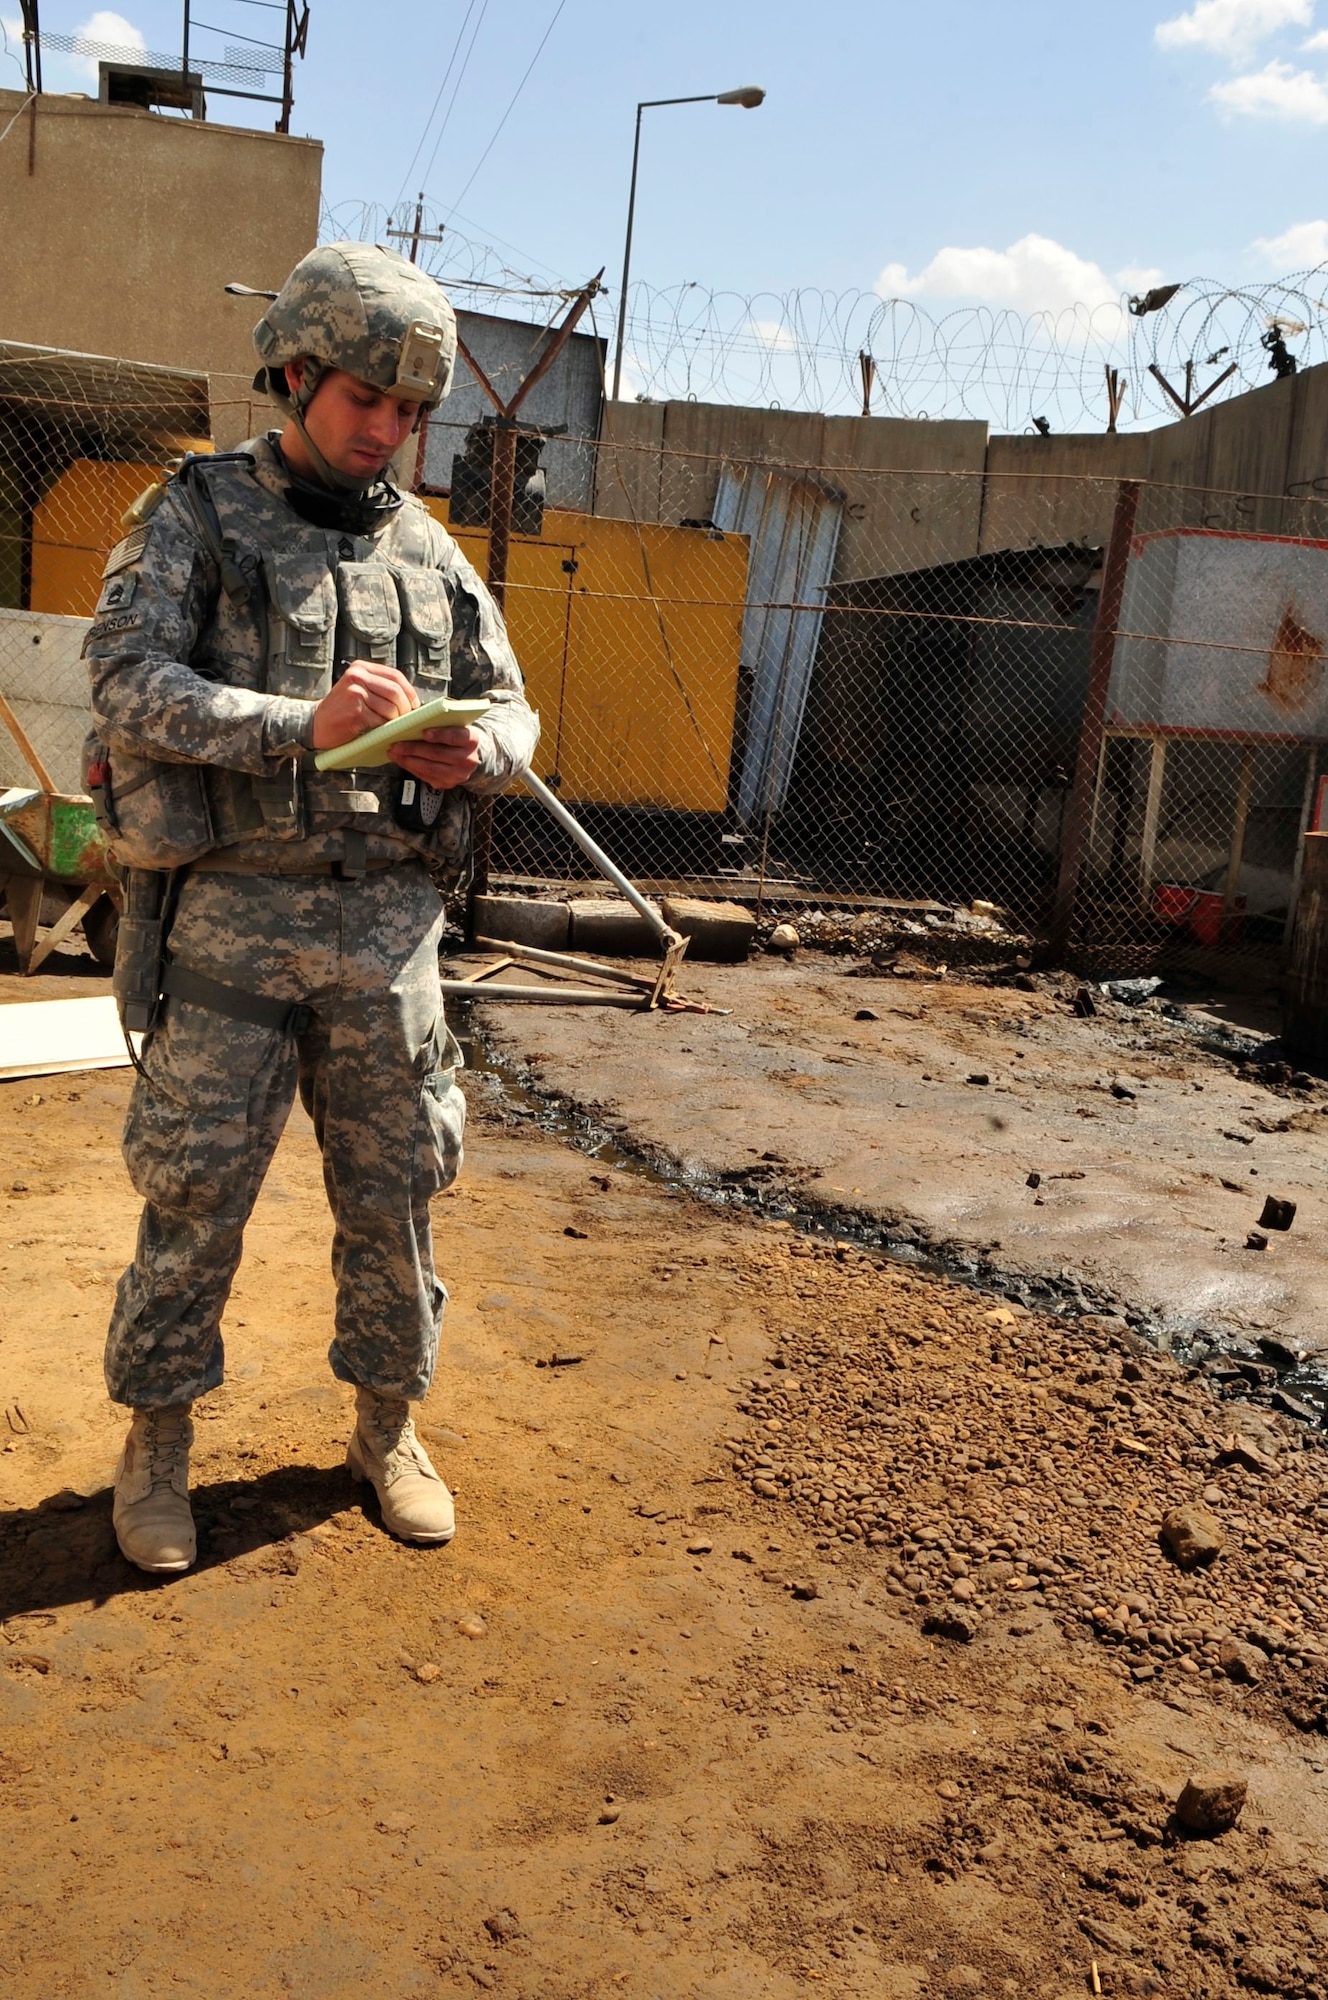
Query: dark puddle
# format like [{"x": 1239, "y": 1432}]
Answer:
[{"x": 764, "y": 1191}]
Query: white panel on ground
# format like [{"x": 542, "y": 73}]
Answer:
[{"x": 49, "y": 1037}]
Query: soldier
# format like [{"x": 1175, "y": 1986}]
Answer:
[{"x": 267, "y": 604}]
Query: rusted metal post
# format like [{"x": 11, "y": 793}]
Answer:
[
  {"x": 1075, "y": 831},
  {"x": 502, "y": 492}
]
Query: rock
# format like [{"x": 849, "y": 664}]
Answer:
[
  {"x": 503, "y": 1926},
  {"x": 964, "y": 1589},
  {"x": 866, "y": 1014},
  {"x": 805, "y": 1592},
  {"x": 722, "y": 933},
  {"x": 978, "y": 1076},
  {"x": 610, "y": 1816},
  {"x": 1211, "y": 1802},
  {"x": 1282, "y": 1353},
  {"x": 960, "y": 1624},
  {"x": 428, "y": 1673},
  {"x": 1109, "y": 1937},
  {"x": 1256, "y": 1240},
  {"x": 948, "y": 1789},
  {"x": 784, "y": 937},
  {"x": 1277, "y": 1214},
  {"x": 522, "y": 920},
  {"x": 1084, "y": 1004},
  {"x": 766, "y": 1488},
  {"x": 1242, "y": 1662},
  {"x": 66, "y": 1501},
  {"x": 1123, "y": 1092},
  {"x": 1292, "y": 1406},
  {"x": 1193, "y": 1535},
  {"x": 701, "y": 1548},
  {"x": 1034, "y": 1180},
  {"x": 471, "y": 1627}
]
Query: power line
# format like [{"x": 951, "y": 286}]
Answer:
[
  {"x": 510, "y": 108},
  {"x": 456, "y": 89},
  {"x": 433, "y": 111}
]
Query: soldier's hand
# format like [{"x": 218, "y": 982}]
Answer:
[
  {"x": 441, "y": 757},
  {"x": 363, "y": 698}
]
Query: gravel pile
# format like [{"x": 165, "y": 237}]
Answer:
[{"x": 986, "y": 1460}]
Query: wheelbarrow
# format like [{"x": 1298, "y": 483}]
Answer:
[{"x": 55, "y": 873}]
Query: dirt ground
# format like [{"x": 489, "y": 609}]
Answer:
[{"x": 664, "y": 1720}]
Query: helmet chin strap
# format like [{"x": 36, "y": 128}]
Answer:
[{"x": 338, "y": 482}]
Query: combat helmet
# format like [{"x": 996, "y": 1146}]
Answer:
[{"x": 364, "y": 309}]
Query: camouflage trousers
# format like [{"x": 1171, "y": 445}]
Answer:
[{"x": 375, "y": 1070}]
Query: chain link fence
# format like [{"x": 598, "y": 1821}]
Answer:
[
  {"x": 926, "y": 704},
  {"x": 883, "y": 694}
]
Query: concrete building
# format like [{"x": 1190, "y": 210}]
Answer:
[{"x": 122, "y": 227}]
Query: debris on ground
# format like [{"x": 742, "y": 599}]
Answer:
[{"x": 1001, "y": 1462}]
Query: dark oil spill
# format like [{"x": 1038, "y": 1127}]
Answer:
[{"x": 764, "y": 1191}]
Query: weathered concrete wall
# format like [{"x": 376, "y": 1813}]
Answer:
[
  {"x": 912, "y": 491},
  {"x": 920, "y": 493},
  {"x": 121, "y": 228}
]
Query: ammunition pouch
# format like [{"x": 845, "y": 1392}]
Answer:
[{"x": 140, "y": 947}]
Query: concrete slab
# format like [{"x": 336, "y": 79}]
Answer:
[
  {"x": 721, "y": 932},
  {"x": 523, "y": 920},
  {"x": 610, "y": 927}
]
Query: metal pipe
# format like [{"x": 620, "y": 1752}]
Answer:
[
  {"x": 627, "y": 262},
  {"x": 529, "y": 954},
  {"x": 594, "y": 852},
  {"x": 547, "y": 996}
]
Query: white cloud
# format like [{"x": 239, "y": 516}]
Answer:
[
  {"x": 1035, "y": 274},
  {"x": 774, "y": 336},
  {"x": 112, "y": 31},
  {"x": 1296, "y": 249},
  {"x": 1139, "y": 277},
  {"x": 11, "y": 31},
  {"x": 1275, "y": 91},
  {"x": 1232, "y": 28}
]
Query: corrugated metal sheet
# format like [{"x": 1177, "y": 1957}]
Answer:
[{"x": 792, "y": 523}]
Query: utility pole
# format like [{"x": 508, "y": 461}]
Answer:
[
  {"x": 418, "y": 234},
  {"x": 502, "y": 495}
]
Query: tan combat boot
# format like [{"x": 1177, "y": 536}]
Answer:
[
  {"x": 153, "y": 1524},
  {"x": 385, "y": 1450}
]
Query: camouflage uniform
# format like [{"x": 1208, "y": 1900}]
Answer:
[{"x": 207, "y": 654}]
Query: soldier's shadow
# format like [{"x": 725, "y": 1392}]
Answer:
[{"x": 58, "y": 1554}]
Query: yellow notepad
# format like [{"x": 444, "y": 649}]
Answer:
[{"x": 364, "y": 752}]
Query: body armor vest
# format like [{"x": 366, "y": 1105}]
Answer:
[{"x": 297, "y": 604}]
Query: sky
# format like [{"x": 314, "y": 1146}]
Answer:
[{"x": 1025, "y": 153}]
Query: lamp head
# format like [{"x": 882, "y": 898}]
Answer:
[{"x": 748, "y": 97}]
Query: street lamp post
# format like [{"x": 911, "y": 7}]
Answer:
[{"x": 748, "y": 97}]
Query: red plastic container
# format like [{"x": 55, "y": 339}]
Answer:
[
  {"x": 1208, "y": 923},
  {"x": 1172, "y": 903},
  {"x": 1200, "y": 911}
]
